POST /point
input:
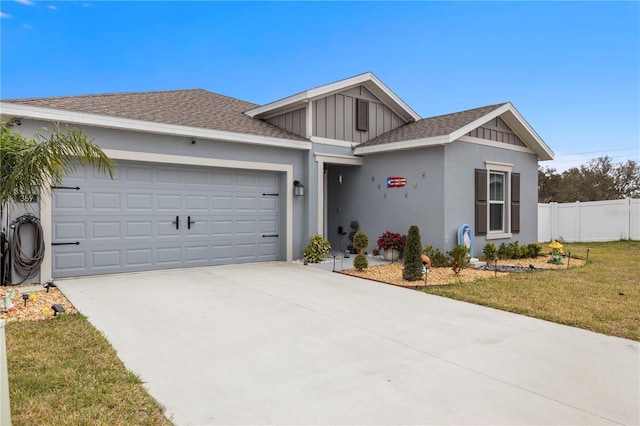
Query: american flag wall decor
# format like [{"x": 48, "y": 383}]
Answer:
[{"x": 396, "y": 182}]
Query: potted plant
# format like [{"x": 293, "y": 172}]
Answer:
[{"x": 392, "y": 243}]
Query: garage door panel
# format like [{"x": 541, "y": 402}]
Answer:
[
  {"x": 69, "y": 231},
  {"x": 170, "y": 256},
  {"x": 104, "y": 259},
  {"x": 200, "y": 177},
  {"x": 129, "y": 224},
  {"x": 105, "y": 230},
  {"x": 197, "y": 202},
  {"x": 266, "y": 226},
  {"x": 139, "y": 174},
  {"x": 246, "y": 203},
  {"x": 70, "y": 201},
  {"x": 223, "y": 179},
  {"x": 268, "y": 205},
  {"x": 103, "y": 201},
  {"x": 171, "y": 202},
  {"x": 197, "y": 254},
  {"x": 138, "y": 257},
  {"x": 169, "y": 176},
  {"x": 139, "y": 202},
  {"x": 72, "y": 261},
  {"x": 267, "y": 249}
]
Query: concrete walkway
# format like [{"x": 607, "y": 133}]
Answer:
[{"x": 281, "y": 343}]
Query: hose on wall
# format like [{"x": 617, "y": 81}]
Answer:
[{"x": 27, "y": 266}]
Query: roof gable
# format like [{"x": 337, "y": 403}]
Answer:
[
  {"x": 368, "y": 80},
  {"x": 450, "y": 127}
]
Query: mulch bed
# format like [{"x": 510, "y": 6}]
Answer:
[
  {"x": 38, "y": 305},
  {"x": 392, "y": 273}
]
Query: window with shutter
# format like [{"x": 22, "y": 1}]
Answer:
[
  {"x": 481, "y": 202},
  {"x": 362, "y": 115},
  {"x": 515, "y": 202},
  {"x": 497, "y": 204}
]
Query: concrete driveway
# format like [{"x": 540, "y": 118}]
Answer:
[{"x": 281, "y": 343}]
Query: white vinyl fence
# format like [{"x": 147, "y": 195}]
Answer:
[{"x": 590, "y": 221}]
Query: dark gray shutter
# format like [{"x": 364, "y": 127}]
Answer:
[
  {"x": 515, "y": 203},
  {"x": 481, "y": 202},
  {"x": 362, "y": 115}
]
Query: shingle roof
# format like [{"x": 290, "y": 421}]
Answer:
[
  {"x": 430, "y": 127},
  {"x": 195, "y": 108}
]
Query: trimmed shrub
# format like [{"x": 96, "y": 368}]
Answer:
[
  {"x": 459, "y": 258},
  {"x": 412, "y": 269},
  {"x": 354, "y": 225},
  {"x": 360, "y": 262},
  {"x": 438, "y": 258},
  {"x": 490, "y": 251},
  {"x": 532, "y": 250},
  {"x": 317, "y": 249},
  {"x": 360, "y": 240}
]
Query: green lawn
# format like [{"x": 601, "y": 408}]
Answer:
[
  {"x": 602, "y": 296},
  {"x": 64, "y": 372}
]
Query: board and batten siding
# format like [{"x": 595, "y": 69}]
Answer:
[
  {"x": 334, "y": 116},
  {"x": 498, "y": 131},
  {"x": 292, "y": 121}
]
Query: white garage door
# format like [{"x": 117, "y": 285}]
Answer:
[{"x": 162, "y": 216}]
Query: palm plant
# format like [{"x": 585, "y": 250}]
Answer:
[{"x": 31, "y": 165}]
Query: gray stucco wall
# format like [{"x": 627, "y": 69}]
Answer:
[
  {"x": 364, "y": 196},
  {"x": 461, "y": 160},
  {"x": 442, "y": 201},
  {"x": 178, "y": 145}
]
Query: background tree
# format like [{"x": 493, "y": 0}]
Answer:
[
  {"x": 412, "y": 269},
  {"x": 31, "y": 165},
  {"x": 599, "y": 179}
]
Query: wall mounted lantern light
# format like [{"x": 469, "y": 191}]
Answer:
[{"x": 298, "y": 188}]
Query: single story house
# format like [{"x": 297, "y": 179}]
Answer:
[{"x": 206, "y": 179}]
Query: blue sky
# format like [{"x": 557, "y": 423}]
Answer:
[{"x": 572, "y": 69}]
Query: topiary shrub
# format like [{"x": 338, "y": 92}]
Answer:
[
  {"x": 412, "y": 269},
  {"x": 490, "y": 251},
  {"x": 360, "y": 240},
  {"x": 533, "y": 250},
  {"x": 354, "y": 228},
  {"x": 317, "y": 249},
  {"x": 438, "y": 258},
  {"x": 360, "y": 262},
  {"x": 459, "y": 258}
]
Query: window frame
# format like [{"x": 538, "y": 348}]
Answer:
[{"x": 505, "y": 170}]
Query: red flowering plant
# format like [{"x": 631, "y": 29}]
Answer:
[{"x": 392, "y": 240}]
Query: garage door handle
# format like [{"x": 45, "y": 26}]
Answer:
[
  {"x": 269, "y": 235},
  {"x": 189, "y": 222},
  {"x": 177, "y": 222}
]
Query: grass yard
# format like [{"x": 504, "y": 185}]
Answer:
[
  {"x": 602, "y": 296},
  {"x": 64, "y": 372}
]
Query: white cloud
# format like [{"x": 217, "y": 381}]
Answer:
[
  {"x": 26, "y": 2},
  {"x": 27, "y": 27},
  {"x": 5, "y": 15},
  {"x": 52, "y": 7}
]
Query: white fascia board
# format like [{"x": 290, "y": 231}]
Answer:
[
  {"x": 368, "y": 79},
  {"x": 395, "y": 98},
  {"x": 56, "y": 115},
  {"x": 522, "y": 126},
  {"x": 338, "y": 159},
  {"x": 333, "y": 142},
  {"x": 479, "y": 122},
  {"x": 308, "y": 95},
  {"x": 495, "y": 144},
  {"x": 517, "y": 123},
  {"x": 402, "y": 145}
]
